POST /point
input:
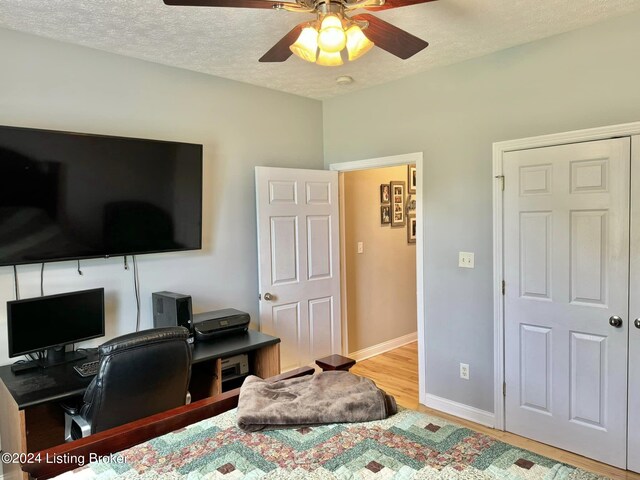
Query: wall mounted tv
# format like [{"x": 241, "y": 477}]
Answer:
[{"x": 67, "y": 196}]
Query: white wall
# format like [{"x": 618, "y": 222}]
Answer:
[
  {"x": 581, "y": 79},
  {"x": 53, "y": 85}
]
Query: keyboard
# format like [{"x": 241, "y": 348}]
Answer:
[{"x": 88, "y": 369}]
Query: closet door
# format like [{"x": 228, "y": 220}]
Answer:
[
  {"x": 634, "y": 315},
  {"x": 566, "y": 266}
]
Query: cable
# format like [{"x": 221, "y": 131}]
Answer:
[
  {"x": 126, "y": 264},
  {"x": 42, "y": 280},
  {"x": 35, "y": 356},
  {"x": 136, "y": 289},
  {"x": 136, "y": 285},
  {"x": 15, "y": 282},
  {"x": 79, "y": 271}
]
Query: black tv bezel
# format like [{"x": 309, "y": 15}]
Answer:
[
  {"x": 35, "y": 299},
  {"x": 108, "y": 255}
]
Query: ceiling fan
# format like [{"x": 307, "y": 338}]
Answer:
[{"x": 322, "y": 40}]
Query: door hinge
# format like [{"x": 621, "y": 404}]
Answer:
[
  {"x": 504, "y": 389},
  {"x": 503, "y": 287},
  {"x": 259, "y": 296},
  {"x": 501, "y": 177}
]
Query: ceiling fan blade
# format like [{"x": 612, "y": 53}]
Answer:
[
  {"x": 397, "y": 3},
  {"x": 391, "y": 38},
  {"x": 280, "y": 51},
  {"x": 226, "y": 3}
]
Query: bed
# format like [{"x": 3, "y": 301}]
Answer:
[
  {"x": 202, "y": 440},
  {"x": 69, "y": 456}
]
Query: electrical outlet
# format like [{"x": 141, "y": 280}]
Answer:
[
  {"x": 466, "y": 260},
  {"x": 464, "y": 371},
  {"x": 360, "y": 247}
]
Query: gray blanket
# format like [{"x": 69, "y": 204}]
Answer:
[{"x": 326, "y": 397}]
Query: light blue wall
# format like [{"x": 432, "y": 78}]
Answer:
[
  {"x": 49, "y": 84},
  {"x": 586, "y": 78}
]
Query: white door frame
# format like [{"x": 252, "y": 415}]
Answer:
[
  {"x": 381, "y": 162},
  {"x": 499, "y": 149}
]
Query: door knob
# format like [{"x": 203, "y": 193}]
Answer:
[
  {"x": 637, "y": 322},
  {"x": 615, "y": 321},
  {"x": 268, "y": 296}
]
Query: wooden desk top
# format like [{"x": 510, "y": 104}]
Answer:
[
  {"x": 43, "y": 385},
  {"x": 56, "y": 383},
  {"x": 234, "y": 344}
]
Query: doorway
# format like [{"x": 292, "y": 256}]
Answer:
[
  {"x": 365, "y": 343},
  {"x": 379, "y": 259}
]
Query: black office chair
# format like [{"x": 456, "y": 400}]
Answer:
[{"x": 140, "y": 374}]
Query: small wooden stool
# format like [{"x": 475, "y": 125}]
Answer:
[{"x": 335, "y": 362}]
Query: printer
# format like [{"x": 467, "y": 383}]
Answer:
[{"x": 210, "y": 325}]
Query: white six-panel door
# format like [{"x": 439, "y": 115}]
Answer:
[
  {"x": 299, "y": 264},
  {"x": 566, "y": 267}
]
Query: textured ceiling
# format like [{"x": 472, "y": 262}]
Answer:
[{"x": 227, "y": 42}]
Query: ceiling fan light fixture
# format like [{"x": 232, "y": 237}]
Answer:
[
  {"x": 306, "y": 46},
  {"x": 331, "y": 37},
  {"x": 329, "y": 59},
  {"x": 357, "y": 43}
]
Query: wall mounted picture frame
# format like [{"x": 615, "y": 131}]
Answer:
[
  {"x": 412, "y": 178},
  {"x": 398, "y": 214},
  {"x": 412, "y": 225},
  {"x": 385, "y": 195},
  {"x": 385, "y": 214},
  {"x": 411, "y": 205}
]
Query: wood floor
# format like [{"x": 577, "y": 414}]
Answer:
[{"x": 396, "y": 372}]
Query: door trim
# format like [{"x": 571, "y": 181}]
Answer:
[
  {"x": 633, "y": 421},
  {"x": 381, "y": 162},
  {"x": 499, "y": 149}
]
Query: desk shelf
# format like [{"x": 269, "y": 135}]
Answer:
[{"x": 206, "y": 371}]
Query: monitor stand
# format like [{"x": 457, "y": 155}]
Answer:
[{"x": 58, "y": 356}]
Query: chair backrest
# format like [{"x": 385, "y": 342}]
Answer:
[{"x": 140, "y": 374}]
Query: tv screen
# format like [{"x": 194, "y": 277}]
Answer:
[
  {"x": 44, "y": 322},
  {"x": 71, "y": 196}
]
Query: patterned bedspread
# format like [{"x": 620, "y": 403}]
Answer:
[{"x": 409, "y": 445}]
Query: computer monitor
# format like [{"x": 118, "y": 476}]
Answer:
[{"x": 51, "y": 322}]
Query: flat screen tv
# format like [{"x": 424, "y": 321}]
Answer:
[{"x": 67, "y": 196}]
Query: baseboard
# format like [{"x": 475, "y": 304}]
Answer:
[
  {"x": 460, "y": 410},
  {"x": 365, "y": 353}
]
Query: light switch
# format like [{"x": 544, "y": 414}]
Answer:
[
  {"x": 360, "y": 247},
  {"x": 465, "y": 260}
]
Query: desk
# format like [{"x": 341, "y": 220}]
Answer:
[{"x": 32, "y": 420}]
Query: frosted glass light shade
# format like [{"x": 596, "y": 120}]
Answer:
[
  {"x": 331, "y": 38},
  {"x": 357, "y": 43},
  {"x": 306, "y": 45},
  {"x": 329, "y": 59}
]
